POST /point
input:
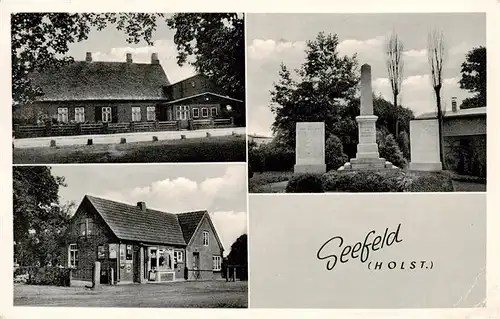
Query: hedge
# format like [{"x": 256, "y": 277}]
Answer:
[
  {"x": 52, "y": 276},
  {"x": 305, "y": 183},
  {"x": 386, "y": 181}
]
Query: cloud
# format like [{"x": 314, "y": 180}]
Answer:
[
  {"x": 229, "y": 226},
  {"x": 167, "y": 54},
  {"x": 261, "y": 49}
]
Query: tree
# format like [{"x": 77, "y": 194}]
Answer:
[
  {"x": 40, "y": 41},
  {"x": 395, "y": 64},
  {"x": 214, "y": 44},
  {"x": 389, "y": 150},
  {"x": 334, "y": 153},
  {"x": 326, "y": 84},
  {"x": 474, "y": 77},
  {"x": 436, "y": 56},
  {"x": 39, "y": 219},
  {"x": 239, "y": 254}
]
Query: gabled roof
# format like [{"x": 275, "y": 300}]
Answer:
[
  {"x": 82, "y": 80},
  {"x": 189, "y": 222},
  {"x": 128, "y": 222}
]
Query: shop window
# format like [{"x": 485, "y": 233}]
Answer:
[
  {"x": 205, "y": 238},
  {"x": 129, "y": 252},
  {"x": 73, "y": 256},
  {"x": 79, "y": 114},
  {"x": 165, "y": 260},
  {"x": 62, "y": 114},
  {"x": 216, "y": 263}
]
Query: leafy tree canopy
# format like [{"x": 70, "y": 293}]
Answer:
[
  {"x": 474, "y": 77},
  {"x": 39, "y": 219},
  {"x": 239, "y": 251}
]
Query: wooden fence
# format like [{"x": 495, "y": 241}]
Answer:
[{"x": 45, "y": 130}]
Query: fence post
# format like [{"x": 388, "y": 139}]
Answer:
[
  {"x": 212, "y": 122},
  {"x": 78, "y": 129},
  {"x": 232, "y": 121},
  {"x": 111, "y": 276},
  {"x": 70, "y": 277},
  {"x": 48, "y": 128},
  {"x": 105, "y": 128},
  {"x": 178, "y": 125},
  {"x": 16, "y": 130},
  {"x": 190, "y": 125}
]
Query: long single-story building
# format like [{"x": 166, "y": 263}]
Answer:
[
  {"x": 88, "y": 97},
  {"x": 139, "y": 244},
  {"x": 464, "y": 134}
]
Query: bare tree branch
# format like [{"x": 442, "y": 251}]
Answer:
[{"x": 395, "y": 65}]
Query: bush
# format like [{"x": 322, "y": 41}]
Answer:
[
  {"x": 52, "y": 276},
  {"x": 389, "y": 150},
  {"x": 334, "y": 153},
  {"x": 305, "y": 183},
  {"x": 269, "y": 157},
  {"x": 404, "y": 144},
  {"x": 386, "y": 181}
]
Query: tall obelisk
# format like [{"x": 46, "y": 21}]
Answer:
[{"x": 367, "y": 156}]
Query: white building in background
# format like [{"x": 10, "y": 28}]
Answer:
[{"x": 259, "y": 139}]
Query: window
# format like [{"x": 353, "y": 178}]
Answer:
[
  {"x": 204, "y": 112},
  {"x": 62, "y": 114},
  {"x": 205, "y": 238},
  {"x": 106, "y": 114},
  {"x": 79, "y": 114},
  {"x": 136, "y": 113},
  {"x": 196, "y": 113},
  {"x": 73, "y": 256},
  {"x": 129, "y": 252},
  {"x": 86, "y": 227},
  {"x": 182, "y": 112},
  {"x": 216, "y": 263},
  {"x": 151, "y": 113},
  {"x": 178, "y": 256},
  {"x": 165, "y": 259},
  {"x": 213, "y": 112}
]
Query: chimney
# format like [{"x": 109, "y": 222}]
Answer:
[
  {"x": 88, "y": 58},
  {"x": 142, "y": 206},
  {"x": 154, "y": 58},
  {"x": 129, "y": 57},
  {"x": 454, "y": 106}
]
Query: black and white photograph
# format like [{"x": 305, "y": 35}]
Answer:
[
  {"x": 130, "y": 236},
  {"x": 379, "y": 102},
  {"x": 128, "y": 87}
]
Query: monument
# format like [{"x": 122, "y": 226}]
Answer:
[
  {"x": 367, "y": 156},
  {"x": 310, "y": 147},
  {"x": 424, "y": 145}
]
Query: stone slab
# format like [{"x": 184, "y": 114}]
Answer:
[
  {"x": 308, "y": 168},
  {"x": 424, "y": 141},
  {"x": 310, "y": 143},
  {"x": 430, "y": 167}
]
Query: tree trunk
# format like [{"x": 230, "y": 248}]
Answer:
[
  {"x": 440, "y": 127},
  {"x": 396, "y": 129}
]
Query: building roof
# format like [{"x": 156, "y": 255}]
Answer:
[
  {"x": 129, "y": 222},
  {"x": 203, "y": 94},
  {"x": 476, "y": 111},
  {"x": 189, "y": 222},
  {"x": 82, "y": 80}
]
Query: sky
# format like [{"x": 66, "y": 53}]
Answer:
[
  {"x": 275, "y": 38},
  {"x": 218, "y": 188},
  {"x": 110, "y": 44}
]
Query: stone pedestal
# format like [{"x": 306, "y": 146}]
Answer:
[{"x": 310, "y": 148}]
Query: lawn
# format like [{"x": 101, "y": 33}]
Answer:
[
  {"x": 262, "y": 182},
  {"x": 200, "y": 294},
  {"x": 213, "y": 149}
]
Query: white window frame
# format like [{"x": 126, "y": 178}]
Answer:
[
  {"x": 73, "y": 250},
  {"x": 203, "y": 110},
  {"x": 80, "y": 114},
  {"x": 216, "y": 263},
  {"x": 136, "y": 113},
  {"x": 205, "y": 238},
  {"x": 197, "y": 115},
  {"x": 212, "y": 111},
  {"x": 106, "y": 114},
  {"x": 151, "y": 113},
  {"x": 183, "y": 112},
  {"x": 178, "y": 256},
  {"x": 62, "y": 115}
]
